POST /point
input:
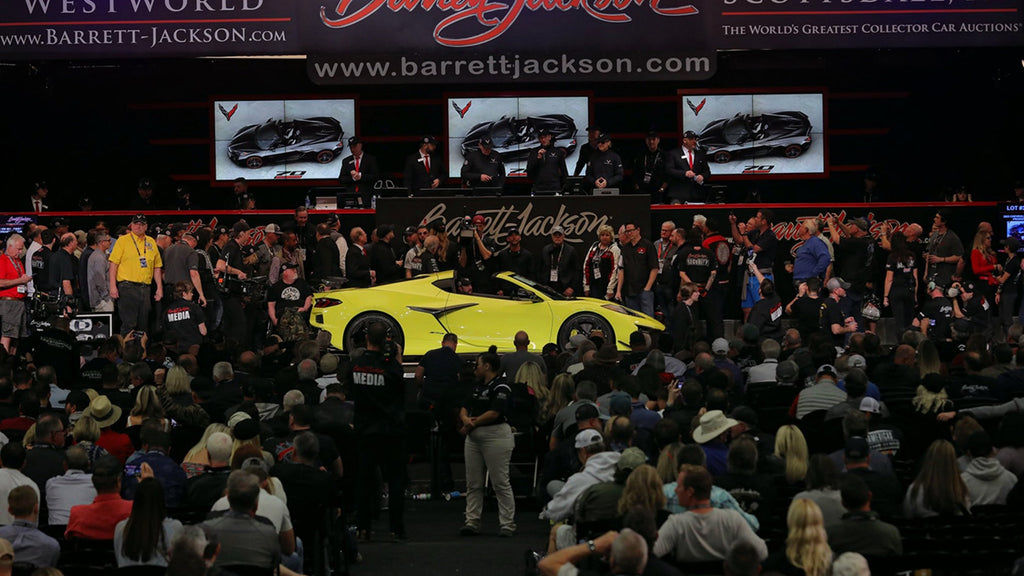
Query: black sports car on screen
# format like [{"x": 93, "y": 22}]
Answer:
[
  {"x": 278, "y": 141},
  {"x": 780, "y": 133},
  {"x": 515, "y": 137}
]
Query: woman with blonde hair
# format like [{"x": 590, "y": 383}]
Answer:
[
  {"x": 178, "y": 385},
  {"x": 668, "y": 463},
  {"x": 147, "y": 405},
  {"x": 791, "y": 449},
  {"x": 985, "y": 265},
  {"x": 599, "y": 265},
  {"x": 562, "y": 388},
  {"x": 644, "y": 488},
  {"x": 85, "y": 434},
  {"x": 807, "y": 551},
  {"x": 928, "y": 361},
  {"x": 531, "y": 375},
  {"x": 938, "y": 489},
  {"x": 197, "y": 459}
]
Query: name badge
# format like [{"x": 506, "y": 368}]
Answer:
[
  {"x": 22, "y": 289},
  {"x": 647, "y": 178},
  {"x": 661, "y": 265},
  {"x": 142, "y": 262},
  {"x": 554, "y": 275}
]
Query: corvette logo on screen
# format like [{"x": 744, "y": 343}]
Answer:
[
  {"x": 696, "y": 109},
  {"x": 462, "y": 111},
  {"x": 228, "y": 113}
]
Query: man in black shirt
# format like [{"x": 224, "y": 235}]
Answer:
[
  {"x": 855, "y": 256},
  {"x": 483, "y": 167},
  {"x": 234, "y": 262},
  {"x": 383, "y": 258},
  {"x": 806, "y": 307},
  {"x": 287, "y": 303},
  {"x": 834, "y": 319},
  {"x": 516, "y": 258},
  {"x": 438, "y": 378},
  {"x": 378, "y": 392},
  {"x": 936, "y": 315},
  {"x": 587, "y": 149},
  {"x": 760, "y": 245},
  {"x": 604, "y": 168},
  {"x": 974, "y": 315},
  {"x": 184, "y": 319},
  {"x": 638, "y": 269},
  {"x": 327, "y": 262},
  {"x": 475, "y": 256},
  {"x": 39, "y": 263},
  {"x": 62, "y": 267},
  {"x": 649, "y": 170},
  {"x": 559, "y": 265},
  {"x": 546, "y": 165}
]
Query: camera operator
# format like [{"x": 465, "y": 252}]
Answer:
[
  {"x": 234, "y": 263},
  {"x": 974, "y": 315},
  {"x": 475, "y": 250}
]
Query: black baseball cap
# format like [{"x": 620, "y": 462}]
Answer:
[
  {"x": 604, "y": 137},
  {"x": 145, "y": 184},
  {"x": 139, "y": 218},
  {"x": 428, "y": 140},
  {"x": 593, "y": 127},
  {"x": 354, "y": 140},
  {"x": 410, "y": 230},
  {"x": 38, "y": 185},
  {"x": 486, "y": 142},
  {"x": 652, "y": 134},
  {"x": 513, "y": 230},
  {"x": 545, "y": 132},
  {"x": 690, "y": 134}
]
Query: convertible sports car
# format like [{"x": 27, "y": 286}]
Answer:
[
  {"x": 781, "y": 133},
  {"x": 419, "y": 311},
  {"x": 515, "y": 137},
  {"x": 280, "y": 141}
]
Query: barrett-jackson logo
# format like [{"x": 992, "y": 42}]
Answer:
[
  {"x": 529, "y": 220},
  {"x": 496, "y": 16}
]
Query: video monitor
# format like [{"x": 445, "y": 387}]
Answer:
[
  {"x": 757, "y": 134},
  {"x": 513, "y": 124},
  {"x": 281, "y": 140}
]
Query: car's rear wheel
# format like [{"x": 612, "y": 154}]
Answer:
[
  {"x": 254, "y": 162},
  {"x": 324, "y": 156},
  {"x": 584, "y": 323},
  {"x": 355, "y": 332},
  {"x": 722, "y": 156},
  {"x": 793, "y": 150}
]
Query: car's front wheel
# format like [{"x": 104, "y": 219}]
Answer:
[
  {"x": 254, "y": 162},
  {"x": 793, "y": 150},
  {"x": 355, "y": 332},
  {"x": 324, "y": 156},
  {"x": 584, "y": 323},
  {"x": 722, "y": 156}
]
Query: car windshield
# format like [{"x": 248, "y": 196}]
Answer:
[
  {"x": 501, "y": 133},
  {"x": 735, "y": 130},
  {"x": 267, "y": 135},
  {"x": 539, "y": 287}
]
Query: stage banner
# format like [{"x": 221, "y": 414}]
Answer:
[
  {"x": 579, "y": 216},
  {"x": 818, "y": 24},
  {"x": 83, "y": 29}
]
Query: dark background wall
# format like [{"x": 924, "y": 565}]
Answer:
[{"x": 923, "y": 119}]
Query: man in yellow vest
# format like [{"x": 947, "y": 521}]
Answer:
[{"x": 135, "y": 265}]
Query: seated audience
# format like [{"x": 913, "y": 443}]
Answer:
[
  {"x": 30, "y": 544},
  {"x": 144, "y": 538},
  {"x": 986, "y": 479},
  {"x": 96, "y": 521},
  {"x": 245, "y": 539},
  {"x": 71, "y": 488},
  {"x": 938, "y": 489},
  {"x": 12, "y": 455},
  {"x": 860, "y": 530},
  {"x": 203, "y": 490}
]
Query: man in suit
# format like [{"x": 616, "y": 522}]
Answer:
[
  {"x": 359, "y": 172},
  {"x": 423, "y": 168},
  {"x": 687, "y": 170},
  {"x": 37, "y": 201},
  {"x": 357, "y": 262}
]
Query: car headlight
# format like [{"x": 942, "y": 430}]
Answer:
[{"x": 619, "y": 309}]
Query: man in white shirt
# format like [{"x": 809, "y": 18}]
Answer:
[
  {"x": 765, "y": 371},
  {"x": 71, "y": 488},
  {"x": 13, "y": 457}
]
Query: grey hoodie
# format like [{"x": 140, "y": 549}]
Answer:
[
  {"x": 599, "y": 468},
  {"x": 987, "y": 481}
]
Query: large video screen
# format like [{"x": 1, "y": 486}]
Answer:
[
  {"x": 513, "y": 125},
  {"x": 759, "y": 133},
  {"x": 281, "y": 139}
]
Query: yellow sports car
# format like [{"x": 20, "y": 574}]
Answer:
[{"x": 419, "y": 311}]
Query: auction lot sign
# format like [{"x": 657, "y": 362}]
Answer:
[{"x": 143, "y": 28}]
